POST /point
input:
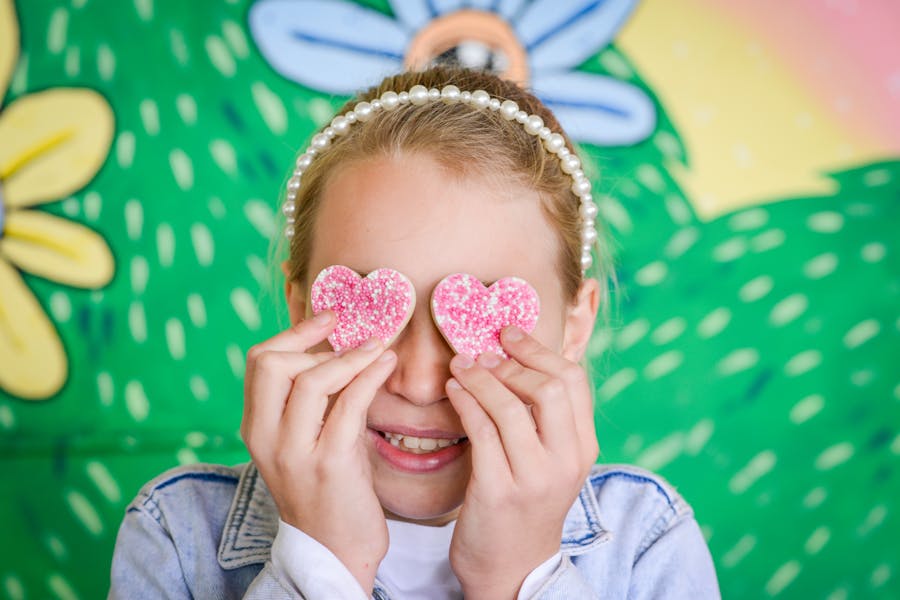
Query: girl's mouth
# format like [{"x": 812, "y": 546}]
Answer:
[{"x": 417, "y": 454}]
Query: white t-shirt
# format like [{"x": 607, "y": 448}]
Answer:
[{"x": 416, "y": 565}]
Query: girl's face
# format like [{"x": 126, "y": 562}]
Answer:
[{"x": 408, "y": 214}]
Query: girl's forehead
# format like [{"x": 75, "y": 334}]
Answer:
[{"x": 413, "y": 216}]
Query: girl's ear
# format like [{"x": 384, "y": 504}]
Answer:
[
  {"x": 293, "y": 295},
  {"x": 580, "y": 318}
]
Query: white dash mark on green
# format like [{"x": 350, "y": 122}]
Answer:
[
  {"x": 803, "y": 362},
  {"x": 270, "y": 107},
  {"x": 826, "y": 221},
  {"x": 881, "y": 575},
  {"x": 202, "y": 240},
  {"x": 668, "y": 145},
  {"x": 134, "y": 219},
  {"x": 632, "y": 333},
  {"x": 651, "y": 274},
  {"x": 175, "y": 338},
  {"x": 737, "y": 360},
  {"x": 873, "y": 252},
  {"x": 729, "y": 250},
  {"x": 840, "y": 593},
  {"x": 105, "y": 388},
  {"x": 196, "y": 439},
  {"x": 755, "y": 289},
  {"x": 187, "y": 108},
  {"x": 261, "y": 216},
  {"x": 758, "y": 466},
  {"x": 139, "y": 273},
  {"x": 713, "y": 323},
  {"x": 216, "y": 207},
  {"x": 615, "y": 383},
  {"x": 196, "y": 310},
  {"x": 861, "y": 333},
  {"x": 740, "y": 550},
  {"x": 199, "y": 388},
  {"x": 71, "y": 207},
  {"x": 149, "y": 116},
  {"x": 61, "y": 587},
  {"x": 783, "y": 577},
  {"x": 650, "y": 178},
  {"x": 93, "y": 204},
  {"x": 662, "y": 453},
  {"x": 179, "y": 47},
  {"x": 85, "y": 512},
  {"x": 873, "y": 520},
  {"x": 615, "y": 65},
  {"x": 821, "y": 265},
  {"x": 245, "y": 307},
  {"x": 20, "y": 76},
  {"x": 106, "y": 62},
  {"x": 876, "y": 177},
  {"x": 235, "y": 358},
  {"x": 614, "y": 213},
  {"x": 668, "y": 331},
  {"x": 788, "y": 309},
  {"x": 750, "y": 219},
  {"x": 257, "y": 268},
  {"x": 60, "y": 306},
  {"x": 144, "y": 9},
  {"x": 895, "y": 445},
  {"x": 815, "y": 497},
  {"x": 104, "y": 481},
  {"x": 56, "y": 546},
  {"x": 72, "y": 63},
  {"x": 182, "y": 169},
  {"x": 698, "y": 436},
  {"x": 7, "y": 418},
  {"x": 320, "y": 111},
  {"x": 137, "y": 322},
  {"x": 767, "y": 240},
  {"x": 817, "y": 540},
  {"x": 681, "y": 242},
  {"x": 224, "y": 156},
  {"x": 663, "y": 364},
  {"x": 136, "y": 401},
  {"x": 56, "y": 30},
  {"x": 125, "y": 149},
  {"x": 165, "y": 244},
  {"x": 834, "y": 456},
  {"x": 14, "y": 588},
  {"x": 234, "y": 35},
  {"x": 678, "y": 209},
  {"x": 219, "y": 56},
  {"x": 186, "y": 456},
  {"x": 807, "y": 408}
]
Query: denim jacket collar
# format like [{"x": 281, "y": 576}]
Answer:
[{"x": 253, "y": 521}]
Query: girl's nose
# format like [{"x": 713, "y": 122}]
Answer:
[{"x": 423, "y": 362}]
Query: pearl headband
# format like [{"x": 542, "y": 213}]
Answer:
[{"x": 419, "y": 95}]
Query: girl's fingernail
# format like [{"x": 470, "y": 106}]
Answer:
[
  {"x": 322, "y": 318},
  {"x": 489, "y": 360},
  {"x": 387, "y": 356},
  {"x": 514, "y": 334},
  {"x": 371, "y": 344},
  {"x": 463, "y": 361},
  {"x": 454, "y": 384}
]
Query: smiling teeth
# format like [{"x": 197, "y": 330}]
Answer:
[{"x": 418, "y": 445}]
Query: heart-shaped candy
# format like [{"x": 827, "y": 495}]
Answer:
[
  {"x": 377, "y": 305},
  {"x": 471, "y": 316}
]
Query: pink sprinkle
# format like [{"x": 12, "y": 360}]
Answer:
[
  {"x": 378, "y": 305},
  {"x": 471, "y": 316}
]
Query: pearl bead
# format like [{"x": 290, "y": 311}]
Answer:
[
  {"x": 291, "y": 195},
  {"x": 363, "y": 111},
  {"x": 404, "y": 97},
  {"x": 570, "y": 163},
  {"x": 329, "y": 132},
  {"x": 340, "y": 125},
  {"x": 522, "y": 117},
  {"x": 533, "y": 124},
  {"x": 586, "y": 248},
  {"x": 319, "y": 141},
  {"x": 581, "y": 186},
  {"x": 554, "y": 142},
  {"x": 293, "y": 183},
  {"x": 588, "y": 210},
  {"x": 509, "y": 109},
  {"x": 586, "y": 262},
  {"x": 450, "y": 94},
  {"x": 481, "y": 99},
  {"x": 390, "y": 100},
  {"x": 289, "y": 231},
  {"x": 589, "y": 234},
  {"x": 544, "y": 132},
  {"x": 418, "y": 95},
  {"x": 494, "y": 104},
  {"x": 304, "y": 161},
  {"x": 563, "y": 152},
  {"x": 434, "y": 94},
  {"x": 289, "y": 209},
  {"x": 465, "y": 96},
  {"x": 376, "y": 104},
  {"x": 577, "y": 174},
  {"x": 350, "y": 116}
]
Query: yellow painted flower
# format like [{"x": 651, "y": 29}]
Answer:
[{"x": 51, "y": 144}]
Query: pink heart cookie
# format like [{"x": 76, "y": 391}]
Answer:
[
  {"x": 377, "y": 305},
  {"x": 471, "y": 316}
]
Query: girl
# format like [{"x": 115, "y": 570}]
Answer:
[{"x": 408, "y": 471}]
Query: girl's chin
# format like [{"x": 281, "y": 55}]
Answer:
[{"x": 420, "y": 499}]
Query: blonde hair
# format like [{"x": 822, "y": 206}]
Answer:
[{"x": 464, "y": 141}]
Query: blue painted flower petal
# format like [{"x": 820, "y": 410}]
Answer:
[
  {"x": 508, "y": 9},
  {"x": 561, "y": 34},
  {"x": 442, "y": 7},
  {"x": 412, "y": 14},
  {"x": 333, "y": 46},
  {"x": 597, "y": 109}
]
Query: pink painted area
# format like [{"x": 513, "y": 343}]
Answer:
[{"x": 847, "y": 51}]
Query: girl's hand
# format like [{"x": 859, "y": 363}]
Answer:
[
  {"x": 316, "y": 467},
  {"x": 526, "y": 472}
]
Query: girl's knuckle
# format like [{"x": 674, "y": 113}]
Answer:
[{"x": 551, "y": 388}]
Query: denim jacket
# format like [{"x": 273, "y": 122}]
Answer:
[{"x": 205, "y": 531}]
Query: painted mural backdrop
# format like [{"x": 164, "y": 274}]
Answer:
[{"x": 747, "y": 156}]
